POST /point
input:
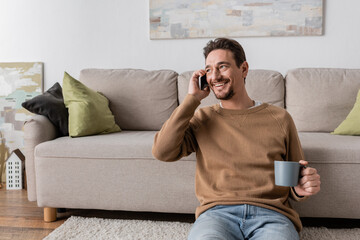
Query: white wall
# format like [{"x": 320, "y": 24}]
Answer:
[{"x": 69, "y": 35}]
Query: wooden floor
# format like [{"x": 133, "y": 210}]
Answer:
[{"x": 21, "y": 219}]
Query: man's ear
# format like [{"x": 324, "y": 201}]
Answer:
[{"x": 244, "y": 68}]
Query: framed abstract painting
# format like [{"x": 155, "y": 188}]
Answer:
[
  {"x": 173, "y": 19},
  {"x": 19, "y": 82}
]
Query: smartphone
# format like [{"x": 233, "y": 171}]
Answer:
[{"x": 202, "y": 82}]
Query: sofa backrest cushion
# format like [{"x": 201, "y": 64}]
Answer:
[
  {"x": 319, "y": 99},
  {"x": 139, "y": 99},
  {"x": 261, "y": 85}
]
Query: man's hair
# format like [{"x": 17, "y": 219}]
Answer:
[{"x": 226, "y": 44}]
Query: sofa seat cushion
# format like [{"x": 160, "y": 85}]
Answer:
[
  {"x": 318, "y": 147},
  {"x": 126, "y": 144},
  {"x": 121, "y": 145},
  {"x": 328, "y": 148}
]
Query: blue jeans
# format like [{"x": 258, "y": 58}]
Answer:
[{"x": 242, "y": 222}]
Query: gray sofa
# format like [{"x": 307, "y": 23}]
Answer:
[{"x": 118, "y": 172}]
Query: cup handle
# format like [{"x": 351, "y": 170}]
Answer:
[{"x": 301, "y": 167}]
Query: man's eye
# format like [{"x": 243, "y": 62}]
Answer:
[
  {"x": 222, "y": 67},
  {"x": 207, "y": 70}
]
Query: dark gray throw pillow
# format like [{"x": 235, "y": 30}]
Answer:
[{"x": 51, "y": 104}]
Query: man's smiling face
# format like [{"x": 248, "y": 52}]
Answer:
[{"x": 222, "y": 74}]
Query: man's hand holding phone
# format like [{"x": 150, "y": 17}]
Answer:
[{"x": 196, "y": 82}]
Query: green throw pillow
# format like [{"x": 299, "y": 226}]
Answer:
[
  {"x": 89, "y": 111},
  {"x": 351, "y": 125}
]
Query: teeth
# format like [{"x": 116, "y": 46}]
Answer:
[{"x": 219, "y": 84}]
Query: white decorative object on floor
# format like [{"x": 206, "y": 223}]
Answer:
[{"x": 14, "y": 170}]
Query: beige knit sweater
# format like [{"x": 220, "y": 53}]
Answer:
[{"x": 235, "y": 152}]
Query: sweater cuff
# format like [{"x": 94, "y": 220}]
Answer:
[{"x": 296, "y": 197}]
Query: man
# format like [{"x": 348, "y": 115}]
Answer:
[{"x": 236, "y": 142}]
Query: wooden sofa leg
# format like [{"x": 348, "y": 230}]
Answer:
[{"x": 49, "y": 214}]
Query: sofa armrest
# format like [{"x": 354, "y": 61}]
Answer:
[{"x": 36, "y": 130}]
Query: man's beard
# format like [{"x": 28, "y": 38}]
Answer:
[{"x": 228, "y": 96}]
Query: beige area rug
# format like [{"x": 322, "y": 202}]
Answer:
[{"x": 104, "y": 229}]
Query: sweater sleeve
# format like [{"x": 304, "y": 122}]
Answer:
[
  {"x": 176, "y": 139},
  {"x": 294, "y": 152}
]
